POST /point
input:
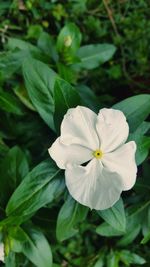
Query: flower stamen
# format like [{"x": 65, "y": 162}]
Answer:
[{"x": 98, "y": 154}]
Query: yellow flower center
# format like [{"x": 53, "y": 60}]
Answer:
[{"x": 98, "y": 154}]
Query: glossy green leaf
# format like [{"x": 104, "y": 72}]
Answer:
[
  {"x": 70, "y": 215},
  {"x": 128, "y": 258},
  {"x": 136, "y": 109},
  {"x": 33, "y": 244},
  {"x": 65, "y": 97},
  {"x": 115, "y": 216},
  {"x": 9, "y": 103},
  {"x": 40, "y": 187},
  {"x": 39, "y": 80},
  {"x": 13, "y": 169},
  {"x": 94, "y": 55},
  {"x": 47, "y": 45},
  {"x": 143, "y": 142},
  {"x": 105, "y": 229}
]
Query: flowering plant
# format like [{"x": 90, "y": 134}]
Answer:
[{"x": 84, "y": 202}]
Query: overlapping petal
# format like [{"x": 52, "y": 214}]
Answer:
[
  {"x": 112, "y": 129},
  {"x": 93, "y": 186},
  {"x": 122, "y": 161},
  {"x": 79, "y": 127},
  {"x": 64, "y": 154}
]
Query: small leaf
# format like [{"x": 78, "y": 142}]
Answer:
[
  {"x": 70, "y": 214},
  {"x": 69, "y": 39},
  {"x": 115, "y": 216},
  {"x": 93, "y": 55}
]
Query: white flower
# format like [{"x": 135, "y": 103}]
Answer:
[
  {"x": 2, "y": 252},
  {"x": 98, "y": 140}
]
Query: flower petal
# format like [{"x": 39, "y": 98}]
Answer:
[
  {"x": 93, "y": 186},
  {"x": 112, "y": 129},
  {"x": 64, "y": 154},
  {"x": 79, "y": 127},
  {"x": 122, "y": 161}
]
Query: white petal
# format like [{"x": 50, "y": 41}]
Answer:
[
  {"x": 93, "y": 186},
  {"x": 79, "y": 127},
  {"x": 112, "y": 129},
  {"x": 64, "y": 154},
  {"x": 122, "y": 161}
]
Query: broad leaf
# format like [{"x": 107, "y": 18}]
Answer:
[
  {"x": 41, "y": 186},
  {"x": 136, "y": 109},
  {"x": 39, "y": 80},
  {"x": 47, "y": 45},
  {"x": 70, "y": 215},
  {"x": 65, "y": 97},
  {"x": 33, "y": 244},
  {"x": 93, "y": 55},
  {"x": 13, "y": 169},
  {"x": 115, "y": 216}
]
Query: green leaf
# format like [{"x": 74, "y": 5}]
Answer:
[
  {"x": 70, "y": 215},
  {"x": 14, "y": 43},
  {"x": 40, "y": 187},
  {"x": 93, "y": 55},
  {"x": 88, "y": 98},
  {"x": 128, "y": 258},
  {"x": 47, "y": 45},
  {"x": 130, "y": 236},
  {"x": 146, "y": 239},
  {"x": 21, "y": 92},
  {"x": 113, "y": 259},
  {"x": 65, "y": 97},
  {"x": 33, "y": 244},
  {"x": 13, "y": 169},
  {"x": 100, "y": 262},
  {"x": 136, "y": 109},
  {"x": 115, "y": 216},
  {"x": 143, "y": 142},
  {"x": 107, "y": 230},
  {"x": 39, "y": 80},
  {"x": 69, "y": 39},
  {"x": 10, "y": 103}
]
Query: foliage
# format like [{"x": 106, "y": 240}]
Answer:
[{"x": 56, "y": 55}]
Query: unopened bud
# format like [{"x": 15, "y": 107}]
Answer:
[{"x": 67, "y": 41}]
